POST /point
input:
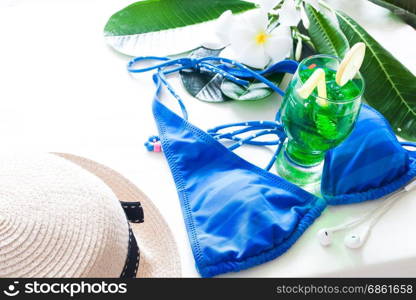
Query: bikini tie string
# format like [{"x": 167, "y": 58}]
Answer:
[{"x": 229, "y": 69}]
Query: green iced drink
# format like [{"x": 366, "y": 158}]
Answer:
[
  {"x": 318, "y": 126},
  {"x": 314, "y": 124}
]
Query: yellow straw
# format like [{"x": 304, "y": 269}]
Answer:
[{"x": 316, "y": 80}]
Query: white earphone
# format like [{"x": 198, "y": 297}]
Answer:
[
  {"x": 325, "y": 234},
  {"x": 355, "y": 240}
]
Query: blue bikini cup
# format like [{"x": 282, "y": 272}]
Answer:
[
  {"x": 369, "y": 164},
  {"x": 237, "y": 215}
]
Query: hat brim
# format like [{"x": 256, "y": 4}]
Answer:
[{"x": 159, "y": 255}]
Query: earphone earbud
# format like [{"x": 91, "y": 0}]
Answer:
[
  {"x": 325, "y": 234},
  {"x": 355, "y": 241},
  {"x": 325, "y": 237}
]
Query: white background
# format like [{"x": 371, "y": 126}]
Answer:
[{"x": 63, "y": 90}]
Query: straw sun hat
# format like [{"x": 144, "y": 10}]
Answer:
[{"x": 61, "y": 216}]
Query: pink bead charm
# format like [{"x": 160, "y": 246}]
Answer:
[{"x": 157, "y": 147}]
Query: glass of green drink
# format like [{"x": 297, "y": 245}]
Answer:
[{"x": 315, "y": 125}]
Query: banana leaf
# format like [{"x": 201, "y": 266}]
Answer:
[
  {"x": 390, "y": 86},
  {"x": 325, "y": 35},
  {"x": 164, "y": 27}
]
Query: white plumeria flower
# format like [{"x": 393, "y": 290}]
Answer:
[
  {"x": 223, "y": 27},
  {"x": 252, "y": 44},
  {"x": 288, "y": 14},
  {"x": 226, "y": 20}
]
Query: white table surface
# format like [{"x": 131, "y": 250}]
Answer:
[{"x": 62, "y": 89}]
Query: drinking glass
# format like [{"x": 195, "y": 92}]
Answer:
[{"x": 315, "y": 125}]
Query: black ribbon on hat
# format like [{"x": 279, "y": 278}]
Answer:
[{"x": 134, "y": 213}]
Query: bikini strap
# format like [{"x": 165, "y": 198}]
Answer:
[{"x": 231, "y": 70}]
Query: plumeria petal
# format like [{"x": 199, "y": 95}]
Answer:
[
  {"x": 229, "y": 53},
  {"x": 282, "y": 31},
  {"x": 256, "y": 19},
  {"x": 241, "y": 37},
  {"x": 278, "y": 47},
  {"x": 267, "y": 5},
  {"x": 288, "y": 14},
  {"x": 223, "y": 27},
  {"x": 253, "y": 56}
]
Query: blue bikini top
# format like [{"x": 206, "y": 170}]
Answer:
[
  {"x": 369, "y": 164},
  {"x": 239, "y": 215}
]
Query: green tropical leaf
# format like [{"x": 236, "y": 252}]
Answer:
[
  {"x": 325, "y": 35},
  {"x": 390, "y": 86},
  {"x": 161, "y": 27},
  {"x": 405, "y": 9}
]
